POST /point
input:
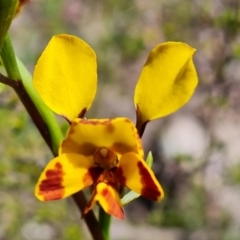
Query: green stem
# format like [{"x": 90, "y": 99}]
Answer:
[
  {"x": 42, "y": 117},
  {"x": 105, "y": 223},
  {"x": 7, "y": 13},
  {"x": 9, "y": 60}
]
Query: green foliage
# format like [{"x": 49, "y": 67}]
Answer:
[
  {"x": 229, "y": 20},
  {"x": 218, "y": 101},
  {"x": 236, "y": 51},
  {"x": 72, "y": 232},
  {"x": 233, "y": 174},
  {"x": 191, "y": 210}
]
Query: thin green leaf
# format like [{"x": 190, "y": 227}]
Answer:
[{"x": 47, "y": 115}]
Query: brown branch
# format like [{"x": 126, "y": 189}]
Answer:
[
  {"x": 30, "y": 107},
  {"x": 8, "y": 81}
]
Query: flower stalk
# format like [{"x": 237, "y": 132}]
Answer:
[{"x": 105, "y": 223}]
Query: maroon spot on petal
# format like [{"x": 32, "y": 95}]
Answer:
[
  {"x": 95, "y": 172},
  {"x": 119, "y": 175},
  {"x": 86, "y": 149},
  {"x": 70, "y": 146},
  {"x": 123, "y": 148},
  {"x": 149, "y": 189},
  {"x": 51, "y": 188},
  {"x": 110, "y": 128}
]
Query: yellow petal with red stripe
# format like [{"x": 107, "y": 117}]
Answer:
[
  {"x": 167, "y": 81},
  {"x": 86, "y": 135},
  {"x": 108, "y": 198},
  {"x": 63, "y": 176},
  {"x": 134, "y": 173},
  {"x": 66, "y": 76}
]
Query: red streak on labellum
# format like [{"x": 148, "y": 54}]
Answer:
[
  {"x": 149, "y": 188},
  {"x": 113, "y": 206},
  {"x": 95, "y": 172},
  {"x": 51, "y": 188},
  {"x": 120, "y": 177}
]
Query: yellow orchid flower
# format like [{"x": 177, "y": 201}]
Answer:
[{"x": 106, "y": 154}]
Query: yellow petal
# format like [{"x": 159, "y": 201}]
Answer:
[
  {"x": 134, "y": 173},
  {"x": 108, "y": 198},
  {"x": 167, "y": 81},
  {"x": 66, "y": 76},
  {"x": 85, "y": 136},
  {"x": 63, "y": 176}
]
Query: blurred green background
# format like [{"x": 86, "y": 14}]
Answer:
[{"x": 196, "y": 150}]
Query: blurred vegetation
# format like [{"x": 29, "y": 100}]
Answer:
[{"x": 199, "y": 202}]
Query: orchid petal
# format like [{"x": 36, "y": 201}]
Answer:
[
  {"x": 63, "y": 176},
  {"x": 108, "y": 198},
  {"x": 134, "y": 173},
  {"x": 66, "y": 76},
  {"x": 85, "y": 136},
  {"x": 167, "y": 81}
]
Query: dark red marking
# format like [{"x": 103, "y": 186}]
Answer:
[
  {"x": 69, "y": 146},
  {"x": 113, "y": 206},
  {"x": 120, "y": 177},
  {"x": 82, "y": 113},
  {"x": 110, "y": 127},
  {"x": 51, "y": 188},
  {"x": 95, "y": 172},
  {"x": 140, "y": 125},
  {"x": 87, "y": 149},
  {"x": 149, "y": 189},
  {"x": 123, "y": 148}
]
